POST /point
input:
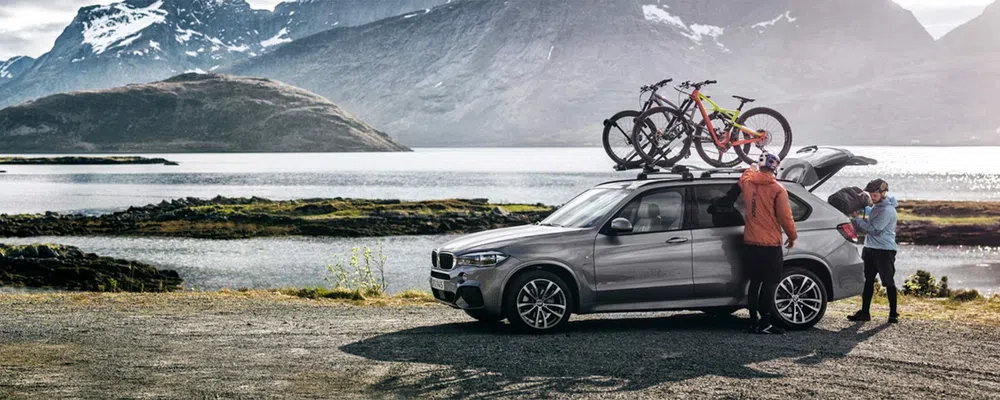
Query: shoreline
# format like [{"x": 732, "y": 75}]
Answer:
[
  {"x": 85, "y": 160},
  {"x": 945, "y": 223}
]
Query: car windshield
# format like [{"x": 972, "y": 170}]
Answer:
[{"x": 587, "y": 209}]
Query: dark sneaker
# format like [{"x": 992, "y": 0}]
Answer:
[
  {"x": 753, "y": 326},
  {"x": 893, "y": 318},
  {"x": 770, "y": 330},
  {"x": 860, "y": 316}
]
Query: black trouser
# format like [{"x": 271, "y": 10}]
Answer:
[
  {"x": 764, "y": 265},
  {"x": 883, "y": 264}
]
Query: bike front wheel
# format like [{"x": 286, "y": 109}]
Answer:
[
  {"x": 663, "y": 138},
  {"x": 779, "y": 134},
  {"x": 618, "y": 139}
]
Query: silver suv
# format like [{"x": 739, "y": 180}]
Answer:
[{"x": 656, "y": 243}]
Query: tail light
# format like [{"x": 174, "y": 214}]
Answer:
[{"x": 848, "y": 232}]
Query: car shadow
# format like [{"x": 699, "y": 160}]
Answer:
[{"x": 594, "y": 355}]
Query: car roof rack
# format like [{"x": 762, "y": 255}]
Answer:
[{"x": 686, "y": 172}]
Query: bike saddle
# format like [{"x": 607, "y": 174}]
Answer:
[{"x": 744, "y": 99}]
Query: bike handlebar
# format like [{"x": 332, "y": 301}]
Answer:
[
  {"x": 655, "y": 86},
  {"x": 697, "y": 85}
]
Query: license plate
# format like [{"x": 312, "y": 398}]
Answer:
[{"x": 437, "y": 283}]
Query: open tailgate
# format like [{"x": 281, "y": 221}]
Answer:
[{"x": 812, "y": 166}]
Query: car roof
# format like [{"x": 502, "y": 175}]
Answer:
[{"x": 636, "y": 183}]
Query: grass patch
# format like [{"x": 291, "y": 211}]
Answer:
[
  {"x": 949, "y": 220},
  {"x": 981, "y": 311}
]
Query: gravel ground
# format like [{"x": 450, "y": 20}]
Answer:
[{"x": 264, "y": 347}]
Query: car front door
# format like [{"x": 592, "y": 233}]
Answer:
[{"x": 653, "y": 262}]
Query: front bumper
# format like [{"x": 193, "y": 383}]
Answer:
[{"x": 468, "y": 288}]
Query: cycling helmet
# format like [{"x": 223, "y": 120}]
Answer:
[
  {"x": 769, "y": 161},
  {"x": 877, "y": 186}
]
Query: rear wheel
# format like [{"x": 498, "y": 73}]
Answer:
[
  {"x": 664, "y": 137},
  {"x": 537, "y": 302},
  {"x": 779, "y": 134},
  {"x": 483, "y": 316},
  {"x": 799, "y": 300},
  {"x": 617, "y": 139}
]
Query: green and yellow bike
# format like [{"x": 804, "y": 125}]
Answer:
[{"x": 665, "y": 132}]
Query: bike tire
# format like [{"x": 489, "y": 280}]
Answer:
[
  {"x": 624, "y": 156},
  {"x": 705, "y": 145},
  {"x": 679, "y": 127},
  {"x": 746, "y": 154}
]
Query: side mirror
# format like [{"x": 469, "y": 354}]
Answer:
[{"x": 620, "y": 225}]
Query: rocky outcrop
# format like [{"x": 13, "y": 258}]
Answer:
[
  {"x": 191, "y": 112},
  {"x": 228, "y": 218},
  {"x": 66, "y": 267},
  {"x": 70, "y": 160}
]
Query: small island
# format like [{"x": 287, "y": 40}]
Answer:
[
  {"x": 76, "y": 160},
  {"x": 56, "y": 266}
]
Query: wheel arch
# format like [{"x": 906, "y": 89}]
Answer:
[
  {"x": 817, "y": 267},
  {"x": 560, "y": 270}
]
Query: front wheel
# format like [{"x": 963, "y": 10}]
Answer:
[
  {"x": 779, "y": 134},
  {"x": 617, "y": 138},
  {"x": 537, "y": 302},
  {"x": 664, "y": 137},
  {"x": 800, "y": 299}
]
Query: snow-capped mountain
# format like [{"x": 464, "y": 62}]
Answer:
[
  {"x": 14, "y": 67},
  {"x": 548, "y": 72},
  {"x": 145, "y": 40}
]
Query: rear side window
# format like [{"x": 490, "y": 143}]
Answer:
[{"x": 720, "y": 206}]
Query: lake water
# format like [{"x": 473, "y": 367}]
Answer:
[
  {"x": 297, "y": 262},
  {"x": 546, "y": 175},
  {"x": 530, "y": 175}
]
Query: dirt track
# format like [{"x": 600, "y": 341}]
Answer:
[{"x": 226, "y": 347}]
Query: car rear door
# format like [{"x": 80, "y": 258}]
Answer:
[{"x": 652, "y": 263}]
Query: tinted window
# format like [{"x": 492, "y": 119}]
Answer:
[
  {"x": 657, "y": 211},
  {"x": 717, "y": 207}
]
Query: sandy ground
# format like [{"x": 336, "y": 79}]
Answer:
[{"x": 144, "y": 346}]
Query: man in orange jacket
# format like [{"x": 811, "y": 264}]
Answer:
[{"x": 767, "y": 214}]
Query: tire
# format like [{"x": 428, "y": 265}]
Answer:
[
  {"x": 483, "y": 316},
  {"x": 707, "y": 149},
  {"x": 768, "y": 119},
  {"x": 720, "y": 311},
  {"x": 678, "y": 128},
  {"x": 785, "y": 312},
  {"x": 520, "y": 290},
  {"x": 617, "y": 138}
]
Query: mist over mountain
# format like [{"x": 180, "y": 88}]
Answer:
[{"x": 137, "y": 41}]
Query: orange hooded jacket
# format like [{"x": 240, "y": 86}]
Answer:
[{"x": 767, "y": 210}]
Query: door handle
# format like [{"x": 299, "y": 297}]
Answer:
[{"x": 677, "y": 240}]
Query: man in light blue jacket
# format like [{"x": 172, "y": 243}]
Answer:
[{"x": 879, "y": 253}]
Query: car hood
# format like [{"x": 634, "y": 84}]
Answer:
[{"x": 498, "y": 238}]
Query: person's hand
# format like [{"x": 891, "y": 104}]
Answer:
[
  {"x": 854, "y": 214},
  {"x": 790, "y": 243}
]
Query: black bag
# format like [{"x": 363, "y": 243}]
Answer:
[{"x": 849, "y": 200}]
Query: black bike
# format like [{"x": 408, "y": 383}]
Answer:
[{"x": 618, "y": 131}]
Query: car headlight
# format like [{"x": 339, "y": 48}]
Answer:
[{"x": 481, "y": 259}]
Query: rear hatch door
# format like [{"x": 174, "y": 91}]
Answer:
[{"x": 812, "y": 166}]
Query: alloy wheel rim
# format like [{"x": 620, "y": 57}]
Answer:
[
  {"x": 541, "y": 303},
  {"x": 798, "y": 299}
]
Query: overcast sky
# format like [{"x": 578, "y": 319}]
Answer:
[{"x": 29, "y": 27}]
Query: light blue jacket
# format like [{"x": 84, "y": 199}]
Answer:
[{"x": 880, "y": 226}]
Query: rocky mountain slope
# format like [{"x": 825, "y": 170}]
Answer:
[
  {"x": 137, "y": 41},
  {"x": 191, "y": 112},
  {"x": 544, "y": 72},
  {"x": 13, "y": 68}
]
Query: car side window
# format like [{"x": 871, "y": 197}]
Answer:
[
  {"x": 717, "y": 207},
  {"x": 656, "y": 211}
]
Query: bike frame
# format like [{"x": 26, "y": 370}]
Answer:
[{"x": 700, "y": 99}]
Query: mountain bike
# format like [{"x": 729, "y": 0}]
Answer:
[
  {"x": 617, "y": 134},
  {"x": 748, "y": 133}
]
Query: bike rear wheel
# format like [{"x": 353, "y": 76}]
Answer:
[
  {"x": 666, "y": 135},
  {"x": 779, "y": 134},
  {"x": 617, "y": 139}
]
